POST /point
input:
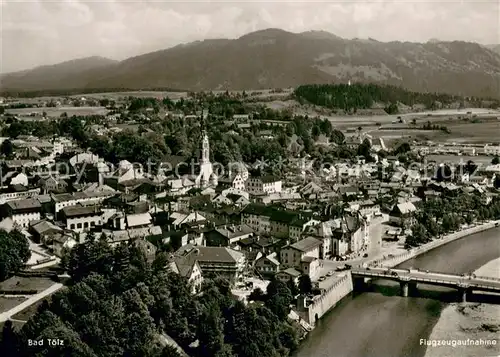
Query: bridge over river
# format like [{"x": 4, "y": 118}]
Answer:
[{"x": 409, "y": 278}]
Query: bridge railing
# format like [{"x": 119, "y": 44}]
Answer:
[{"x": 456, "y": 279}]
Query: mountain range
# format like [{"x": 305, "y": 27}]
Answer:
[{"x": 274, "y": 58}]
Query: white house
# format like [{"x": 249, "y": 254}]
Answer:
[
  {"x": 81, "y": 218},
  {"x": 19, "y": 179},
  {"x": 492, "y": 149},
  {"x": 263, "y": 185},
  {"x": 22, "y": 212}
]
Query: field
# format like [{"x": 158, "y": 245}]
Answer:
[
  {"x": 15, "y": 324},
  {"x": 26, "y": 283},
  {"x": 482, "y": 132},
  {"x": 463, "y": 128},
  {"x": 24, "y": 113},
  {"x": 27, "y": 313},
  {"x": 138, "y": 94},
  {"x": 482, "y": 161}
]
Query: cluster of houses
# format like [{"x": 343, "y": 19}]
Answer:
[
  {"x": 233, "y": 225},
  {"x": 457, "y": 149}
]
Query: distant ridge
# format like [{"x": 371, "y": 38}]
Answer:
[{"x": 274, "y": 58}]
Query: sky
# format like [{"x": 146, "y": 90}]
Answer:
[{"x": 39, "y": 32}]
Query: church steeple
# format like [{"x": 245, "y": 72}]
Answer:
[{"x": 205, "y": 148}]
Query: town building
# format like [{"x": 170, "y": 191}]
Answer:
[
  {"x": 24, "y": 211},
  {"x": 292, "y": 255},
  {"x": 80, "y": 218},
  {"x": 402, "y": 214},
  {"x": 267, "y": 265},
  {"x": 263, "y": 185},
  {"x": 492, "y": 150},
  {"x": 277, "y": 222},
  {"x": 227, "y": 235},
  {"x": 216, "y": 261},
  {"x": 90, "y": 197},
  {"x": 189, "y": 269}
]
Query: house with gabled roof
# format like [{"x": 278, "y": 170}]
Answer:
[
  {"x": 402, "y": 214},
  {"x": 227, "y": 235},
  {"x": 267, "y": 265},
  {"x": 215, "y": 261},
  {"x": 190, "y": 269},
  {"x": 293, "y": 254},
  {"x": 350, "y": 236}
]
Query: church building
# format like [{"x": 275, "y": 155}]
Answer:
[{"x": 206, "y": 177}]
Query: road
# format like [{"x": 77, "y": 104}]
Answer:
[{"x": 33, "y": 299}]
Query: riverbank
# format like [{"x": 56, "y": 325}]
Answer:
[{"x": 474, "y": 321}]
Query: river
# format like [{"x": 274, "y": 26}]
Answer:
[
  {"x": 469, "y": 321},
  {"x": 383, "y": 324}
]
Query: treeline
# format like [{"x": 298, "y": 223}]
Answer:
[
  {"x": 429, "y": 126},
  {"x": 119, "y": 304},
  {"x": 6, "y": 93},
  {"x": 219, "y": 105},
  {"x": 14, "y": 253},
  {"x": 364, "y": 96}
]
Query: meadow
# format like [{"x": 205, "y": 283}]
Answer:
[{"x": 26, "y": 113}]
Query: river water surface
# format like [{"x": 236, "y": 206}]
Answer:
[{"x": 383, "y": 324}]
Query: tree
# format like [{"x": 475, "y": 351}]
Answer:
[
  {"x": 364, "y": 149},
  {"x": 495, "y": 160},
  {"x": 92, "y": 256},
  {"x": 420, "y": 234},
  {"x": 337, "y": 137},
  {"x": 402, "y": 149},
  {"x": 470, "y": 167},
  {"x": 211, "y": 333},
  {"x": 392, "y": 108},
  {"x": 443, "y": 173},
  {"x": 294, "y": 290},
  {"x": 257, "y": 295},
  {"x": 279, "y": 298},
  {"x": 305, "y": 284},
  {"x": 14, "y": 253},
  {"x": 7, "y": 148},
  {"x": 8, "y": 342},
  {"x": 496, "y": 181},
  {"x": 316, "y": 131}
]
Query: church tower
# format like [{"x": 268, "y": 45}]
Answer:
[{"x": 207, "y": 176}]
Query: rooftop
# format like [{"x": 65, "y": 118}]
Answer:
[
  {"x": 233, "y": 231},
  {"x": 64, "y": 197},
  {"x": 215, "y": 255},
  {"x": 306, "y": 244},
  {"x": 79, "y": 210}
]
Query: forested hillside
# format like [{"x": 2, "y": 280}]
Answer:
[{"x": 364, "y": 96}]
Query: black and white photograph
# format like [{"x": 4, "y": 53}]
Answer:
[{"x": 250, "y": 178}]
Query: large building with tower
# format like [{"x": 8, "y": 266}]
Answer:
[{"x": 206, "y": 177}]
